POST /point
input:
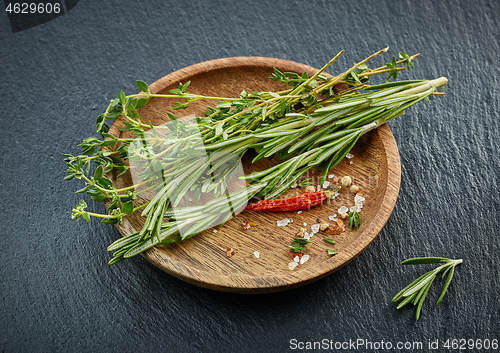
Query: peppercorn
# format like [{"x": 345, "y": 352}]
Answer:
[
  {"x": 346, "y": 180},
  {"x": 310, "y": 188}
]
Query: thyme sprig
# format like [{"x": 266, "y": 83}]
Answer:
[{"x": 417, "y": 290}]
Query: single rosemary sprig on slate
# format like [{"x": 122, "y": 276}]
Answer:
[{"x": 417, "y": 290}]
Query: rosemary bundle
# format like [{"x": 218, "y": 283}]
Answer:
[{"x": 310, "y": 125}]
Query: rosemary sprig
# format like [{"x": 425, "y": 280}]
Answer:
[{"x": 417, "y": 290}]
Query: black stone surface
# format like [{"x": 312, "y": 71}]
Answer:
[{"x": 59, "y": 295}]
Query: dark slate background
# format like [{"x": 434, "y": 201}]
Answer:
[{"x": 58, "y": 293}]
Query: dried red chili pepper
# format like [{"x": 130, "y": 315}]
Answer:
[{"x": 301, "y": 202}]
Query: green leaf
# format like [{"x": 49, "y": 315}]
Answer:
[
  {"x": 185, "y": 86},
  {"x": 82, "y": 190},
  {"x": 329, "y": 240},
  {"x": 110, "y": 220},
  {"x": 421, "y": 301},
  {"x": 143, "y": 86},
  {"x": 424, "y": 260},
  {"x": 301, "y": 241},
  {"x": 123, "y": 98},
  {"x": 98, "y": 173},
  {"x": 305, "y": 182},
  {"x": 331, "y": 252},
  {"x": 218, "y": 129},
  {"x": 86, "y": 216},
  {"x": 297, "y": 248},
  {"x": 171, "y": 116},
  {"x": 128, "y": 207},
  {"x": 141, "y": 102},
  {"x": 405, "y": 56},
  {"x": 100, "y": 124},
  {"x": 446, "y": 284}
]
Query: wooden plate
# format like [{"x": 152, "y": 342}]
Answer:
[{"x": 203, "y": 261}]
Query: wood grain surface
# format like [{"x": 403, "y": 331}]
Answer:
[{"x": 203, "y": 260}]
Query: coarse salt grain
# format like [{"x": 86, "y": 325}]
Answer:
[
  {"x": 315, "y": 228},
  {"x": 215, "y": 230},
  {"x": 343, "y": 210},
  {"x": 333, "y": 217},
  {"x": 296, "y": 258},
  {"x": 307, "y": 236},
  {"x": 331, "y": 176},
  {"x": 292, "y": 265},
  {"x": 256, "y": 254},
  {"x": 294, "y": 185},
  {"x": 305, "y": 224},
  {"x": 359, "y": 198},
  {"x": 349, "y": 155},
  {"x": 190, "y": 200},
  {"x": 299, "y": 212},
  {"x": 304, "y": 259},
  {"x": 326, "y": 184},
  {"x": 290, "y": 220},
  {"x": 283, "y": 222},
  {"x": 318, "y": 188},
  {"x": 350, "y": 162}
]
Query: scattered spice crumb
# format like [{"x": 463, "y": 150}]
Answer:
[
  {"x": 323, "y": 226},
  {"x": 344, "y": 215},
  {"x": 293, "y": 254},
  {"x": 230, "y": 252},
  {"x": 318, "y": 220},
  {"x": 335, "y": 230},
  {"x": 340, "y": 223}
]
